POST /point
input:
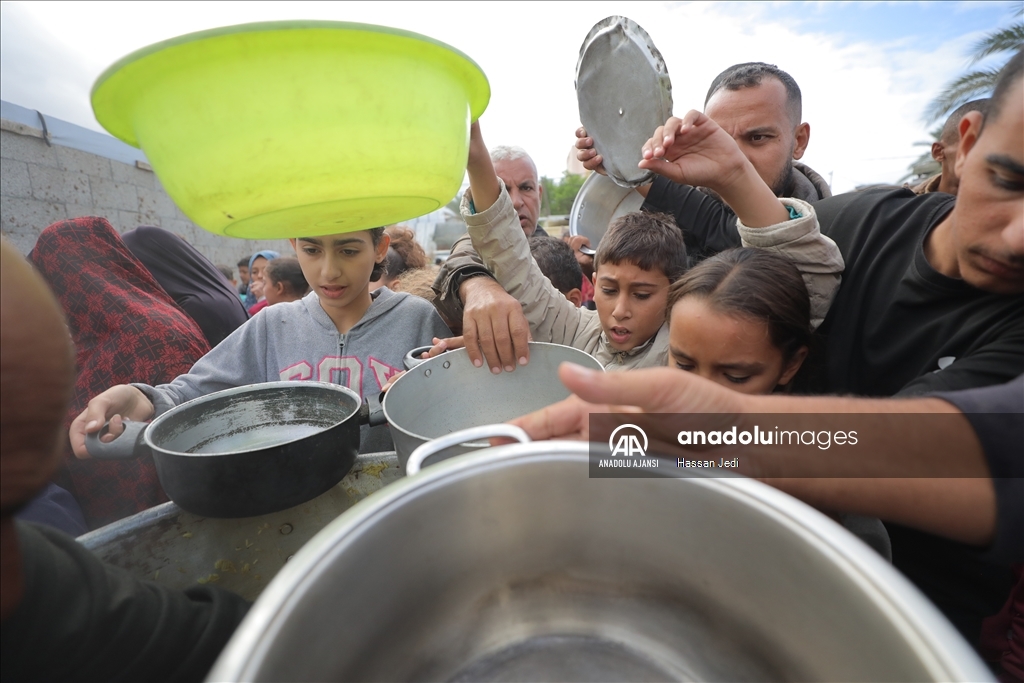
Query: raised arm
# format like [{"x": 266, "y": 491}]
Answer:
[
  {"x": 499, "y": 239},
  {"x": 694, "y": 150}
]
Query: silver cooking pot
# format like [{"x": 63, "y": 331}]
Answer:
[
  {"x": 447, "y": 393},
  {"x": 512, "y": 564}
]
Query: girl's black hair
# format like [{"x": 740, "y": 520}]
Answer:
[
  {"x": 378, "y": 268},
  {"x": 756, "y": 284}
]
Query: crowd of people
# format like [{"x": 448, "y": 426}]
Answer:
[{"x": 741, "y": 286}]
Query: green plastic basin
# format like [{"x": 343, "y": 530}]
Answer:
[{"x": 299, "y": 128}]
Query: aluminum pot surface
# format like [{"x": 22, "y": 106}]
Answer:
[
  {"x": 447, "y": 393},
  {"x": 248, "y": 450},
  {"x": 512, "y": 564},
  {"x": 599, "y": 202}
]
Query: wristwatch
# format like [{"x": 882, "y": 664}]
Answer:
[{"x": 467, "y": 274}]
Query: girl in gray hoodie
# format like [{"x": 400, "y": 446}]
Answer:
[{"x": 340, "y": 333}]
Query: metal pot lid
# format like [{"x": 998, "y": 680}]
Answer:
[
  {"x": 599, "y": 202},
  {"x": 624, "y": 94}
]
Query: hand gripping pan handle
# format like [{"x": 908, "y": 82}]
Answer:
[{"x": 125, "y": 447}]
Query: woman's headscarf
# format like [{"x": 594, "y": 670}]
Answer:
[
  {"x": 125, "y": 329},
  {"x": 193, "y": 282},
  {"x": 268, "y": 254}
]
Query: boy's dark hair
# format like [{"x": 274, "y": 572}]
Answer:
[
  {"x": 647, "y": 240},
  {"x": 557, "y": 261},
  {"x": 1008, "y": 77},
  {"x": 227, "y": 272},
  {"x": 756, "y": 284},
  {"x": 378, "y": 268},
  {"x": 288, "y": 271},
  {"x": 749, "y": 75},
  {"x": 244, "y": 261}
]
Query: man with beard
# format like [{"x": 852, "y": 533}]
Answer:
[{"x": 760, "y": 105}]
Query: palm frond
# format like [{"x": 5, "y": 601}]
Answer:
[
  {"x": 923, "y": 167},
  {"x": 1009, "y": 39},
  {"x": 964, "y": 89}
]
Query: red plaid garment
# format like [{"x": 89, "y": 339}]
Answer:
[{"x": 125, "y": 328}]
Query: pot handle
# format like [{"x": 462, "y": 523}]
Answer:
[
  {"x": 124, "y": 447},
  {"x": 437, "y": 445},
  {"x": 412, "y": 359},
  {"x": 371, "y": 412}
]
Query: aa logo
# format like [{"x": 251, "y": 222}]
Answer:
[{"x": 629, "y": 441}]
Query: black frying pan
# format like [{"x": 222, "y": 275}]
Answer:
[{"x": 250, "y": 450}]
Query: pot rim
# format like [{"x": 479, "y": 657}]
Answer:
[
  {"x": 941, "y": 648},
  {"x": 244, "y": 389},
  {"x": 427, "y": 364}
]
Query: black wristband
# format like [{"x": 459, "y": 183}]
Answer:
[{"x": 467, "y": 274}]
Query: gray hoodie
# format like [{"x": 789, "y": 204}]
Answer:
[{"x": 298, "y": 341}]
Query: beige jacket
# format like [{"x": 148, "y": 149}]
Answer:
[{"x": 499, "y": 240}]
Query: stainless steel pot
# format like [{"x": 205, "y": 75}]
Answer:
[
  {"x": 447, "y": 393},
  {"x": 512, "y": 564},
  {"x": 249, "y": 450}
]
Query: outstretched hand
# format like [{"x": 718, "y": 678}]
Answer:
[
  {"x": 654, "y": 390},
  {"x": 122, "y": 401},
  {"x": 694, "y": 150}
]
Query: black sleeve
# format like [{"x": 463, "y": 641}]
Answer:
[
  {"x": 992, "y": 364},
  {"x": 997, "y": 415},
  {"x": 708, "y": 224},
  {"x": 82, "y": 620}
]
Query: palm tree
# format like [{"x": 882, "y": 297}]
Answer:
[{"x": 980, "y": 81}]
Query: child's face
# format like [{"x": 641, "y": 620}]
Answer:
[
  {"x": 731, "y": 350},
  {"x": 630, "y": 303},
  {"x": 338, "y": 267},
  {"x": 256, "y": 274}
]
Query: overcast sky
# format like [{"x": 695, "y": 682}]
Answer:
[{"x": 867, "y": 69}]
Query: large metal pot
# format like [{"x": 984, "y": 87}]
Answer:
[
  {"x": 249, "y": 450},
  {"x": 511, "y": 564},
  {"x": 447, "y": 393}
]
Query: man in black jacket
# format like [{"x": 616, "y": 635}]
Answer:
[{"x": 760, "y": 105}]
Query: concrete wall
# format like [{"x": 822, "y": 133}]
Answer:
[{"x": 41, "y": 184}]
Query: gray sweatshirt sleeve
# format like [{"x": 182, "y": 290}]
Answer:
[{"x": 238, "y": 360}]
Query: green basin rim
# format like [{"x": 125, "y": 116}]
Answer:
[{"x": 273, "y": 26}]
